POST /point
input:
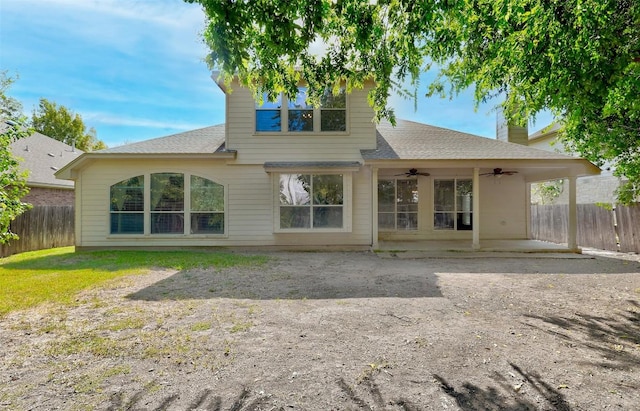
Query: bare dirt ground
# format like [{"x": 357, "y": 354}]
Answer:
[{"x": 339, "y": 331}]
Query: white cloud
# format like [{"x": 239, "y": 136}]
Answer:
[
  {"x": 167, "y": 13},
  {"x": 97, "y": 118}
]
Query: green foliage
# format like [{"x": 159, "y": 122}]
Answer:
[
  {"x": 57, "y": 275},
  {"x": 549, "y": 190},
  {"x": 578, "y": 58},
  {"x": 606, "y": 206},
  {"x": 10, "y": 108},
  {"x": 60, "y": 123},
  {"x": 12, "y": 180}
]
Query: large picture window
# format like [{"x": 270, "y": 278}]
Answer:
[
  {"x": 397, "y": 204},
  {"x": 178, "y": 204},
  {"x": 453, "y": 204},
  {"x": 311, "y": 201}
]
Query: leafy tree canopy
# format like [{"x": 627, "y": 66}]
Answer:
[
  {"x": 578, "y": 58},
  {"x": 12, "y": 180},
  {"x": 10, "y": 108},
  {"x": 58, "y": 122}
]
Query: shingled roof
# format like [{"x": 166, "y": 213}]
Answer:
[
  {"x": 42, "y": 156},
  {"x": 203, "y": 140},
  {"x": 415, "y": 141}
]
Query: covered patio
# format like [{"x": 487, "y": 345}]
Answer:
[{"x": 466, "y": 246}]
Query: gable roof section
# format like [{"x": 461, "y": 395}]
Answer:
[
  {"x": 414, "y": 141},
  {"x": 43, "y": 156},
  {"x": 203, "y": 140}
]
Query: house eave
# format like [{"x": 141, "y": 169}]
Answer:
[
  {"x": 60, "y": 186},
  {"x": 311, "y": 166},
  {"x": 533, "y": 169},
  {"x": 67, "y": 172}
]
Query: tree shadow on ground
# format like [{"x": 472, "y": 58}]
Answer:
[
  {"x": 615, "y": 337},
  {"x": 471, "y": 397},
  {"x": 285, "y": 281}
]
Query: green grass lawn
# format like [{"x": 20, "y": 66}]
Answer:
[{"x": 57, "y": 275}]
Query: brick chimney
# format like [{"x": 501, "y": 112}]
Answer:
[{"x": 510, "y": 132}]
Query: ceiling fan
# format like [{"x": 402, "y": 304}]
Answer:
[
  {"x": 413, "y": 172},
  {"x": 499, "y": 172}
]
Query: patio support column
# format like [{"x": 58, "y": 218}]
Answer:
[
  {"x": 476, "y": 209},
  {"x": 572, "y": 235},
  {"x": 374, "y": 207}
]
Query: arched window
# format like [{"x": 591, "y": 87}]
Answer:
[
  {"x": 127, "y": 206},
  {"x": 178, "y": 204},
  {"x": 167, "y": 203},
  {"x": 207, "y": 206}
]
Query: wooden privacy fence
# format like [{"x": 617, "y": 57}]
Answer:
[
  {"x": 598, "y": 227},
  {"x": 40, "y": 228}
]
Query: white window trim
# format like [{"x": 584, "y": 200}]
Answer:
[
  {"x": 284, "y": 119},
  {"x": 347, "y": 200},
  {"x": 186, "y": 212},
  {"x": 395, "y": 212},
  {"x": 455, "y": 211}
]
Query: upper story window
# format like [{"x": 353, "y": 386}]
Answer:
[
  {"x": 300, "y": 113},
  {"x": 300, "y": 116},
  {"x": 333, "y": 111},
  {"x": 268, "y": 114}
]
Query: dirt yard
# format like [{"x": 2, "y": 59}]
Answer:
[{"x": 339, "y": 331}]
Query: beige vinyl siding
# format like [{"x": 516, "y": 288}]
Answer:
[
  {"x": 248, "y": 212},
  {"x": 503, "y": 207},
  {"x": 257, "y": 148}
]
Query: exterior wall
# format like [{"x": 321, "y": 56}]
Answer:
[
  {"x": 248, "y": 213},
  {"x": 503, "y": 207},
  {"x": 257, "y": 148},
  {"x": 50, "y": 196}
]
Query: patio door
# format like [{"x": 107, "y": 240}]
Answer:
[{"x": 398, "y": 204}]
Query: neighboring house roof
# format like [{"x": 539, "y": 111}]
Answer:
[
  {"x": 415, "y": 141},
  {"x": 551, "y": 129},
  {"x": 203, "y": 140},
  {"x": 43, "y": 156}
]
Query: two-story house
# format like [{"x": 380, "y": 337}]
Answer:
[{"x": 287, "y": 174}]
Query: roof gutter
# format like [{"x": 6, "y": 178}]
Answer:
[{"x": 66, "y": 172}]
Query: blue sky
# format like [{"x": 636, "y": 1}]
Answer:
[{"x": 134, "y": 70}]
